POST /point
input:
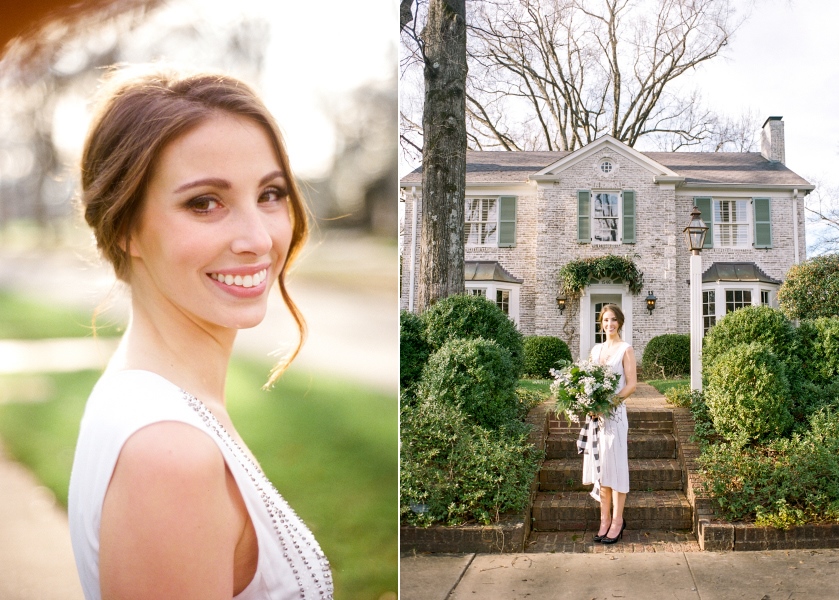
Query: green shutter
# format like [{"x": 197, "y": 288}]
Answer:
[
  {"x": 506, "y": 221},
  {"x": 763, "y": 223},
  {"x": 584, "y": 216},
  {"x": 706, "y": 206},
  {"x": 628, "y": 217}
]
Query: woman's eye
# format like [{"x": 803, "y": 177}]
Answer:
[
  {"x": 202, "y": 204},
  {"x": 273, "y": 194}
]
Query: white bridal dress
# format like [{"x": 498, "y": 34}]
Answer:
[
  {"x": 290, "y": 564},
  {"x": 614, "y": 457}
]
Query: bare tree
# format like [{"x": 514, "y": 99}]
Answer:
[
  {"x": 822, "y": 207},
  {"x": 441, "y": 48},
  {"x": 557, "y": 74}
]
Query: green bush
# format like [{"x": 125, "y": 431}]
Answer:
[
  {"x": 682, "y": 396},
  {"x": 413, "y": 352},
  {"x": 748, "y": 394},
  {"x": 542, "y": 353},
  {"x": 453, "y": 471},
  {"x": 811, "y": 289},
  {"x": 527, "y": 399},
  {"x": 819, "y": 341},
  {"x": 465, "y": 316},
  {"x": 751, "y": 324},
  {"x": 668, "y": 355},
  {"x": 785, "y": 482},
  {"x": 476, "y": 375}
]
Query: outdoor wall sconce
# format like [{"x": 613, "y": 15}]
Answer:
[
  {"x": 560, "y": 302},
  {"x": 651, "y": 302}
]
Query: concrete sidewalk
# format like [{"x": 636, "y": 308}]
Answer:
[{"x": 770, "y": 575}]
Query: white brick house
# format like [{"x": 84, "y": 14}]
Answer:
[{"x": 529, "y": 213}]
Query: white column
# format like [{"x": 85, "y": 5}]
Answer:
[{"x": 696, "y": 321}]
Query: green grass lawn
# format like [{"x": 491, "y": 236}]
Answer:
[
  {"x": 540, "y": 385},
  {"x": 329, "y": 446},
  {"x": 23, "y": 318},
  {"x": 662, "y": 385}
]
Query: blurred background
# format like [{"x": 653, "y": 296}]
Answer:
[{"x": 327, "y": 434}]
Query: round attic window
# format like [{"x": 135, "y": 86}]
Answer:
[{"x": 606, "y": 166}]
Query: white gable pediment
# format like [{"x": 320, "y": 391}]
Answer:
[{"x": 603, "y": 147}]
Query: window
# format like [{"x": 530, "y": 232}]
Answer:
[
  {"x": 606, "y": 216},
  {"x": 737, "y": 223},
  {"x": 709, "y": 309},
  {"x": 735, "y": 299},
  {"x": 606, "y": 166},
  {"x": 731, "y": 223},
  {"x": 764, "y": 297},
  {"x": 502, "y": 299},
  {"x": 481, "y": 222},
  {"x": 477, "y": 292},
  {"x": 490, "y": 222}
]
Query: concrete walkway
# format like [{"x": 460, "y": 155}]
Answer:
[{"x": 771, "y": 575}]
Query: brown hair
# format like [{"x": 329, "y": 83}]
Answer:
[
  {"x": 615, "y": 310},
  {"x": 140, "y": 114}
]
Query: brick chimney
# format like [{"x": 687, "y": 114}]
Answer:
[{"x": 772, "y": 140}]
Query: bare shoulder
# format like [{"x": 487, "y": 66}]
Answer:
[{"x": 169, "y": 521}]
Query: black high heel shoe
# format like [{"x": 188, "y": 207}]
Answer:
[
  {"x": 599, "y": 538},
  {"x": 608, "y": 540}
]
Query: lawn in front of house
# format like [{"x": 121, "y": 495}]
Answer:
[
  {"x": 329, "y": 446},
  {"x": 27, "y": 319}
]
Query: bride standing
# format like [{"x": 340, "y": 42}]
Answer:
[{"x": 612, "y": 483}]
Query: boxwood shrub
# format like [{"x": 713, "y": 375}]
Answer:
[
  {"x": 466, "y": 316},
  {"x": 476, "y": 375},
  {"x": 413, "y": 352},
  {"x": 668, "y": 355},
  {"x": 811, "y": 289},
  {"x": 542, "y": 353},
  {"x": 748, "y": 395},
  {"x": 752, "y": 324},
  {"x": 453, "y": 471}
]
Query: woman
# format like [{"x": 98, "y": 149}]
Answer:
[
  {"x": 611, "y": 484},
  {"x": 187, "y": 187}
]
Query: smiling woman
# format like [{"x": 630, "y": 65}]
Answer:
[{"x": 187, "y": 187}]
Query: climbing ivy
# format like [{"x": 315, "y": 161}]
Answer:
[{"x": 577, "y": 274}]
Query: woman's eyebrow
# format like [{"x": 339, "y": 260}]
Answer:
[
  {"x": 209, "y": 181},
  {"x": 270, "y": 176}
]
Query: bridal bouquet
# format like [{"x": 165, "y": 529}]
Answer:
[{"x": 584, "y": 387}]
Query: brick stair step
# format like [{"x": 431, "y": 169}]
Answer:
[
  {"x": 645, "y": 474},
  {"x": 641, "y": 444},
  {"x": 577, "y": 511},
  {"x": 646, "y": 419}
]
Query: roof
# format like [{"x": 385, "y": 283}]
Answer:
[
  {"x": 736, "y": 271},
  {"x": 487, "y": 270},
  {"x": 696, "y": 167}
]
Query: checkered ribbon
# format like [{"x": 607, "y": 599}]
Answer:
[{"x": 588, "y": 442}]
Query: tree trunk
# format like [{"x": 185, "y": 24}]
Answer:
[{"x": 444, "y": 152}]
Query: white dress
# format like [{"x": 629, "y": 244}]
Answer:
[
  {"x": 614, "y": 456},
  {"x": 290, "y": 566}
]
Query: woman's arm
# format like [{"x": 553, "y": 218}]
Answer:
[
  {"x": 169, "y": 524},
  {"x": 629, "y": 373}
]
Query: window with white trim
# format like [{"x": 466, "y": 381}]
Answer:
[
  {"x": 735, "y": 299},
  {"x": 481, "y": 222},
  {"x": 477, "y": 292},
  {"x": 502, "y": 300},
  {"x": 764, "y": 297},
  {"x": 606, "y": 217},
  {"x": 709, "y": 309},
  {"x": 731, "y": 223}
]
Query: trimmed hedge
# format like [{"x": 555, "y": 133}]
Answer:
[
  {"x": 469, "y": 317},
  {"x": 476, "y": 375},
  {"x": 811, "y": 289},
  {"x": 748, "y": 395},
  {"x": 668, "y": 355},
  {"x": 413, "y": 352},
  {"x": 543, "y": 353},
  {"x": 752, "y": 324},
  {"x": 453, "y": 471}
]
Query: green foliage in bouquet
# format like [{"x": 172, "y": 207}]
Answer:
[
  {"x": 584, "y": 387},
  {"x": 543, "y": 353}
]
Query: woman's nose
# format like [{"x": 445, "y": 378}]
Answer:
[{"x": 251, "y": 234}]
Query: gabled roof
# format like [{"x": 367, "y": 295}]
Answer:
[
  {"x": 736, "y": 271},
  {"x": 487, "y": 270},
  {"x": 697, "y": 168}
]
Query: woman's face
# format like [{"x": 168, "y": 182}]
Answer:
[
  {"x": 609, "y": 323},
  {"x": 214, "y": 231}
]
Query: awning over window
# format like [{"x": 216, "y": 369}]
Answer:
[
  {"x": 736, "y": 271},
  {"x": 487, "y": 270}
]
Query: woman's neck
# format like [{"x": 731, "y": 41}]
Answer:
[
  {"x": 191, "y": 355},
  {"x": 612, "y": 339}
]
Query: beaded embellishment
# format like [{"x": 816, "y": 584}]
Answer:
[{"x": 297, "y": 542}]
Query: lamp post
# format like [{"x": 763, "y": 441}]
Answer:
[{"x": 695, "y": 236}]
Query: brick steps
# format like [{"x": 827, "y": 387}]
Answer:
[
  {"x": 645, "y": 474},
  {"x": 641, "y": 444},
  {"x": 578, "y": 511}
]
